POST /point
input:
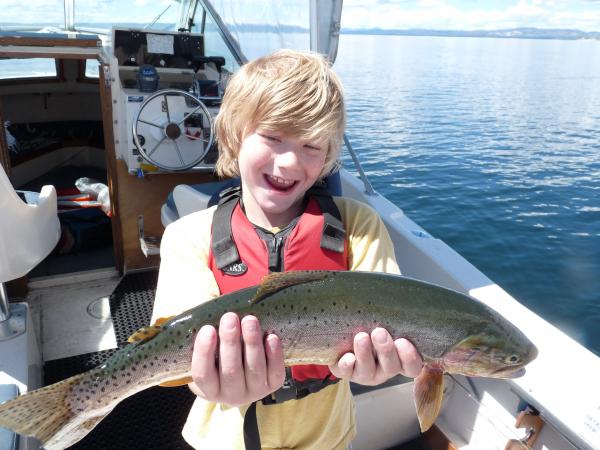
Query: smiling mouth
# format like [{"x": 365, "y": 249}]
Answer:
[{"x": 279, "y": 184}]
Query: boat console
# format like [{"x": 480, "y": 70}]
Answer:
[{"x": 168, "y": 92}]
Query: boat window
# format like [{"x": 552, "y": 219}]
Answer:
[
  {"x": 260, "y": 27},
  {"x": 214, "y": 44},
  {"x": 90, "y": 15},
  {"x": 93, "y": 15},
  {"x": 91, "y": 68},
  {"x": 33, "y": 16},
  {"x": 27, "y": 68}
]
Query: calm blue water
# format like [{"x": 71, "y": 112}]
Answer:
[{"x": 494, "y": 147}]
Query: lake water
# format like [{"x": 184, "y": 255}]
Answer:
[{"x": 492, "y": 145}]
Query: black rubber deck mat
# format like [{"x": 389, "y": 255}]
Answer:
[
  {"x": 151, "y": 419},
  {"x": 59, "y": 369},
  {"x": 131, "y": 303}
]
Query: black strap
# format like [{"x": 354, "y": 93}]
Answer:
[
  {"x": 334, "y": 234},
  {"x": 291, "y": 390},
  {"x": 295, "y": 390},
  {"x": 222, "y": 244},
  {"x": 251, "y": 434}
]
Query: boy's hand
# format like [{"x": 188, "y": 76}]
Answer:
[
  {"x": 377, "y": 358},
  {"x": 248, "y": 368}
]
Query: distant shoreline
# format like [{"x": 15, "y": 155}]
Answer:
[
  {"x": 508, "y": 33},
  {"x": 511, "y": 33}
]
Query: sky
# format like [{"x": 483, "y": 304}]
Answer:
[
  {"x": 472, "y": 14},
  {"x": 391, "y": 14}
]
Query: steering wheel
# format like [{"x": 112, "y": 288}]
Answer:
[{"x": 173, "y": 130}]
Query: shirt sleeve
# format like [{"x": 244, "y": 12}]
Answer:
[
  {"x": 185, "y": 279},
  {"x": 370, "y": 246}
]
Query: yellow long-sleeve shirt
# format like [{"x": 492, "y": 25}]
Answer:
[{"x": 320, "y": 421}]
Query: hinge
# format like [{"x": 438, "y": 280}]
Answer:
[
  {"x": 149, "y": 245},
  {"x": 106, "y": 71}
]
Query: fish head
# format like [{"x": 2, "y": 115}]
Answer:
[{"x": 490, "y": 355}]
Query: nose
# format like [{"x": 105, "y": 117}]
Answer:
[{"x": 286, "y": 157}]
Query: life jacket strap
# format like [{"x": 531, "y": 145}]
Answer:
[
  {"x": 295, "y": 390},
  {"x": 223, "y": 246},
  {"x": 334, "y": 234}
]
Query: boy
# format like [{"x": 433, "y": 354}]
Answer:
[{"x": 280, "y": 129}]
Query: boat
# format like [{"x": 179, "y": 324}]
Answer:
[{"x": 89, "y": 181}]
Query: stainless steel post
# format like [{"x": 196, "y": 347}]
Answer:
[
  {"x": 361, "y": 173},
  {"x": 4, "y": 306}
]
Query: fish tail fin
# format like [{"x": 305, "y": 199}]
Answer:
[{"x": 41, "y": 413}]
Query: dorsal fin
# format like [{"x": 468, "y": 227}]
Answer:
[
  {"x": 146, "y": 333},
  {"x": 162, "y": 320},
  {"x": 277, "y": 281}
]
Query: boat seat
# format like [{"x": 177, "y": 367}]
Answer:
[
  {"x": 188, "y": 198},
  {"x": 29, "y": 228}
]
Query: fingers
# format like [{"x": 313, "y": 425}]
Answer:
[
  {"x": 344, "y": 368},
  {"x": 249, "y": 368},
  {"x": 275, "y": 367},
  {"x": 377, "y": 358},
  {"x": 255, "y": 363},
  {"x": 231, "y": 369},
  {"x": 204, "y": 368},
  {"x": 409, "y": 357},
  {"x": 389, "y": 363},
  {"x": 365, "y": 367}
]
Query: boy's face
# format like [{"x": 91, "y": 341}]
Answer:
[{"x": 276, "y": 170}]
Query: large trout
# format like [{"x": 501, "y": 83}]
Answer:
[{"x": 316, "y": 315}]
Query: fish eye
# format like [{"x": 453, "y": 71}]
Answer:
[{"x": 512, "y": 359}]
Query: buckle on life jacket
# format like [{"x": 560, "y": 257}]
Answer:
[
  {"x": 295, "y": 390},
  {"x": 286, "y": 392}
]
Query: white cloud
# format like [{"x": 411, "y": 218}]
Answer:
[{"x": 443, "y": 14}]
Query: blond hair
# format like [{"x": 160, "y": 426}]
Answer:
[{"x": 289, "y": 91}]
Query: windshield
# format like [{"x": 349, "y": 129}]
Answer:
[
  {"x": 97, "y": 15},
  {"x": 262, "y": 26}
]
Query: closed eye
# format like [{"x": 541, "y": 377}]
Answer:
[{"x": 269, "y": 137}]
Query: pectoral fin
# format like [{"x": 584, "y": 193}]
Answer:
[
  {"x": 429, "y": 392},
  {"x": 178, "y": 382},
  {"x": 146, "y": 333}
]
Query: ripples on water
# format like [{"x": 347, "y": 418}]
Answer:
[{"x": 493, "y": 146}]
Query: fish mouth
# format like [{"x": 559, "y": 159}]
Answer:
[{"x": 509, "y": 372}]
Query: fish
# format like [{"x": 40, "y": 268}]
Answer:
[{"x": 316, "y": 315}]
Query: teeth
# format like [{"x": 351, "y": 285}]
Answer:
[{"x": 281, "y": 180}]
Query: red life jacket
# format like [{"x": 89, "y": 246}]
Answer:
[{"x": 239, "y": 258}]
